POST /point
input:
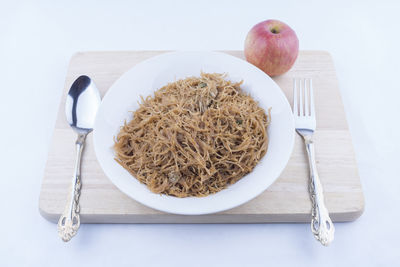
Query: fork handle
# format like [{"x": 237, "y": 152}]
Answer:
[{"x": 321, "y": 224}]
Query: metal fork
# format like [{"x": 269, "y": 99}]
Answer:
[{"x": 304, "y": 116}]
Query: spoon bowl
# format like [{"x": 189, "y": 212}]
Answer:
[{"x": 81, "y": 106}]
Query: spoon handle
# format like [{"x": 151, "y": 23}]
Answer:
[{"x": 69, "y": 222}]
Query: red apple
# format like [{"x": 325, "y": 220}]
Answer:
[{"x": 272, "y": 46}]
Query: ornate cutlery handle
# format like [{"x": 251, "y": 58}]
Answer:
[
  {"x": 69, "y": 222},
  {"x": 321, "y": 224}
]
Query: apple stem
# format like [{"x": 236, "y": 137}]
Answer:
[{"x": 274, "y": 30}]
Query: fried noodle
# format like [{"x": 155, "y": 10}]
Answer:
[{"x": 194, "y": 137}]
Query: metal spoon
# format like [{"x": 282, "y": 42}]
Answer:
[{"x": 81, "y": 106}]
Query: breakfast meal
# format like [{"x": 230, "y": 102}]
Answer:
[{"x": 194, "y": 137}]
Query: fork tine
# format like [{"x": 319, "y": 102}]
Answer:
[
  {"x": 306, "y": 97},
  {"x": 312, "y": 105},
  {"x": 295, "y": 107},
  {"x": 301, "y": 107}
]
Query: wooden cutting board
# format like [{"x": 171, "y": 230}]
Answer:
[{"x": 286, "y": 200}]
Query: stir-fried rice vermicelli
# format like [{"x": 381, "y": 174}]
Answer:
[{"x": 195, "y": 137}]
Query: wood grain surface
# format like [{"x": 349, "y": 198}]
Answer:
[{"x": 286, "y": 200}]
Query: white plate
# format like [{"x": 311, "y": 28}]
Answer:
[{"x": 150, "y": 75}]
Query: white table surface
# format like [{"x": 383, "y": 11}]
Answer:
[{"x": 37, "y": 39}]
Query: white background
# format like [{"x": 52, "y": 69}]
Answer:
[{"x": 37, "y": 39}]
